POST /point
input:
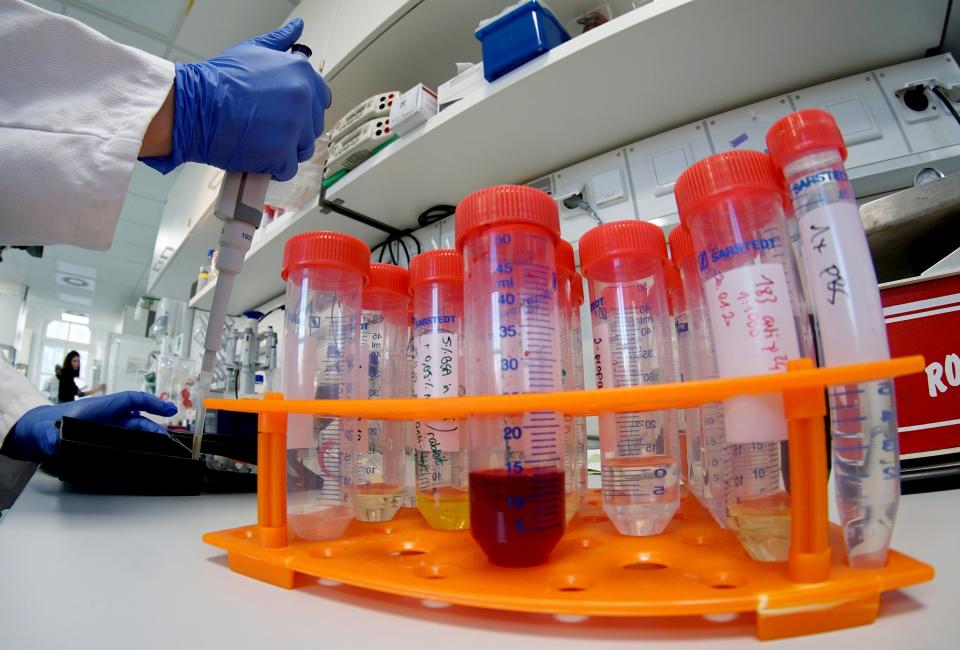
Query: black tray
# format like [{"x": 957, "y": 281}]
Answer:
[{"x": 101, "y": 458}]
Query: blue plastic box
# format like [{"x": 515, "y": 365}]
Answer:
[{"x": 517, "y": 37}]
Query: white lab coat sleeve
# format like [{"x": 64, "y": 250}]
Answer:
[
  {"x": 17, "y": 396},
  {"x": 74, "y": 107}
]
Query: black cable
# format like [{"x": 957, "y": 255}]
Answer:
[
  {"x": 280, "y": 307},
  {"x": 435, "y": 213},
  {"x": 428, "y": 216},
  {"x": 946, "y": 102},
  {"x": 391, "y": 246},
  {"x": 356, "y": 216}
]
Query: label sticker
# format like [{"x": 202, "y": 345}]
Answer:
[
  {"x": 845, "y": 293},
  {"x": 755, "y": 334},
  {"x": 436, "y": 367}
]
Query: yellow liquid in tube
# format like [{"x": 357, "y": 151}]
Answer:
[{"x": 445, "y": 508}]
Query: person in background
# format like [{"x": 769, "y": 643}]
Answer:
[
  {"x": 74, "y": 122},
  {"x": 70, "y": 372},
  {"x": 52, "y": 387}
]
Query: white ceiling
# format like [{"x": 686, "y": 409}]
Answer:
[
  {"x": 179, "y": 30},
  {"x": 113, "y": 278}
]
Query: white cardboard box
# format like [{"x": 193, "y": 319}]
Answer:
[{"x": 413, "y": 108}]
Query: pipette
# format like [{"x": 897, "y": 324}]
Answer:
[{"x": 240, "y": 207}]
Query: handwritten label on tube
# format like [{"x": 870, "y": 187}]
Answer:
[
  {"x": 437, "y": 374},
  {"x": 755, "y": 334},
  {"x": 844, "y": 285}
]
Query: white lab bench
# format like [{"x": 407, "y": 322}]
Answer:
[{"x": 93, "y": 571}]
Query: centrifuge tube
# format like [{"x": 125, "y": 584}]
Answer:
[
  {"x": 566, "y": 269},
  {"x": 699, "y": 361},
  {"x": 688, "y": 419},
  {"x": 577, "y": 351},
  {"x": 624, "y": 264},
  {"x": 325, "y": 273},
  {"x": 508, "y": 236},
  {"x": 380, "y": 443},
  {"x": 808, "y": 148},
  {"x": 409, "y": 465},
  {"x": 732, "y": 204},
  {"x": 436, "y": 281}
]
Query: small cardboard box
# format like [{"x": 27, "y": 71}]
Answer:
[{"x": 413, "y": 108}]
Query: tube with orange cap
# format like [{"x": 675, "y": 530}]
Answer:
[
  {"x": 809, "y": 149},
  {"x": 325, "y": 273},
  {"x": 566, "y": 269},
  {"x": 576, "y": 354},
  {"x": 380, "y": 443},
  {"x": 698, "y": 360},
  {"x": 410, "y": 471},
  {"x": 686, "y": 421},
  {"x": 624, "y": 263},
  {"x": 508, "y": 237},
  {"x": 732, "y": 204},
  {"x": 440, "y": 456}
]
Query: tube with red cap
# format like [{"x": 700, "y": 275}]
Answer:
[
  {"x": 383, "y": 340},
  {"x": 624, "y": 263},
  {"x": 440, "y": 459},
  {"x": 566, "y": 270},
  {"x": 576, "y": 353},
  {"x": 732, "y": 204},
  {"x": 325, "y": 273},
  {"x": 508, "y": 237},
  {"x": 686, "y": 421},
  {"x": 698, "y": 360},
  {"x": 809, "y": 149},
  {"x": 410, "y": 470}
]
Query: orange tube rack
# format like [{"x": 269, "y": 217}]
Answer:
[{"x": 693, "y": 568}]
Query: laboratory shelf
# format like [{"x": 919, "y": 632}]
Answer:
[
  {"x": 693, "y": 568},
  {"x": 660, "y": 66},
  {"x": 259, "y": 280}
]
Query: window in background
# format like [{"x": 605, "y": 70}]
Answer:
[
  {"x": 79, "y": 334},
  {"x": 71, "y": 332},
  {"x": 57, "y": 329}
]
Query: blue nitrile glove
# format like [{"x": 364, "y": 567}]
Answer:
[
  {"x": 35, "y": 435},
  {"x": 252, "y": 108}
]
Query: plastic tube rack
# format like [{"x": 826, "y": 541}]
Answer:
[{"x": 693, "y": 568}]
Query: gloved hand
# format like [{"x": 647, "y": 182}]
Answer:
[
  {"x": 252, "y": 108},
  {"x": 35, "y": 435}
]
